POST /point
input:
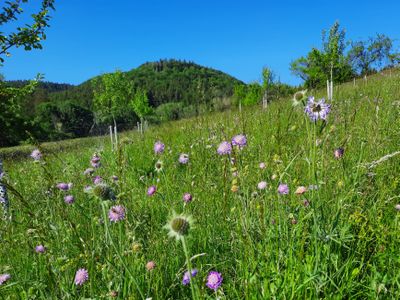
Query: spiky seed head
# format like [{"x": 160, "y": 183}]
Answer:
[
  {"x": 178, "y": 226},
  {"x": 104, "y": 192}
]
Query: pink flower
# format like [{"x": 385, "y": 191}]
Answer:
[{"x": 81, "y": 276}]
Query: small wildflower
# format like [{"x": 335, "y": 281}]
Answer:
[
  {"x": 234, "y": 188},
  {"x": 224, "y": 148},
  {"x": 184, "y": 158},
  {"x": 262, "y": 185},
  {"x": 262, "y": 165},
  {"x": 95, "y": 161},
  {"x": 88, "y": 171},
  {"x": 274, "y": 176},
  {"x": 97, "y": 180},
  {"x": 150, "y": 265},
  {"x": 397, "y": 207},
  {"x": 283, "y": 189},
  {"x": 114, "y": 178},
  {"x": 40, "y": 249},
  {"x": 239, "y": 140},
  {"x": 36, "y": 155},
  {"x": 4, "y": 278},
  {"x": 64, "y": 186},
  {"x": 317, "y": 110},
  {"x": 69, "y": 199},
  {"x": 187, "y": 276},
  {"x": 81, "y": 276},
  {"x": 178, "y": 226},
  {"x": 338, "y": 153},
  {"x": 159, "y": 147},
  {"x": 116, "y": 213},
  {"x": 151, "y": 190},
  {"x": 306, "y": 203},
  {"x": 300, "y": 190},
  {"x": 136, "y": 247},
  {"x": 214, "y": 280},
  {"x": 159, "y": 166},
  {"x": 187, "y": 197}
]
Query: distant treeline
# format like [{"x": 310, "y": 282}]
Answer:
[{"x": 171, "y": 89}]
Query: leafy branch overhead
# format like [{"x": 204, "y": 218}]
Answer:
[{"x": 28, "y": 36}]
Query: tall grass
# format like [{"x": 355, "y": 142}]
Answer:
[{"x": 344, "y": 244}]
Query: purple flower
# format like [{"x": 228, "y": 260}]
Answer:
[
  {"x": 36, "y": 154},
  {"x": 159, "y": 147},
  {"x": 95, "y": 161},
  {"x": 184, "y": 158},
  {"x": 187, "y": 197},
  {"x": 64, "y": 186},
  {"x": 69, "y": 199},
  {"x": 40, "y": 249},
  {"x": 338, "y": 153},
  {"x": 283, "y": 189},
  {"x": 317, "y": 110},
  {"x": 81, "y": 276},
  {"x": 115, "y": 178},
  {"x": 88, "y": 171},
  {"x": 87, "y": 189},
  {"x": 187, "y": 276},
  {"x": 239, "y": 140},
  {"x": 151, "y": 190},
  {"x": 224, "y": 148},
  {"x": 214, "y": 280},
  {"x": 262, "y": 185},
  {"x": 97, "y": 180},
  {"x": 116, "y": 213},
  {"x": 4, "y": 278}
]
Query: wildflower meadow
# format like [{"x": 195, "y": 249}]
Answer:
[{"x": 299, "y": 200}]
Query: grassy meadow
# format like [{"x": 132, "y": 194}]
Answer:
[{"x": 337, "y": 240}]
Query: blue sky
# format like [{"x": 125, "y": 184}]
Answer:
[{"x": 89, "y": 37}]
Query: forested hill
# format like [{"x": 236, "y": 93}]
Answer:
[{"x": 165, "y": 81}]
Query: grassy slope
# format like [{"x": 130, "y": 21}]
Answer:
[{"x": 344, "y": 245}]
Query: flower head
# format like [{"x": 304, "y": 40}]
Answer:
[
  {"x": 239, "y": 140},
  {"x": 283, "y": 189},
  {"x": 317, "y": 110},
  {"x": 178, "y": 226},
  {"x": 214, "y": 280},
  {"x": 40, "y": 249},
  {"x": 158, "y": 166},
  {"x": 4, "y": 278},
  {"x": 97, "y": 180},
  {"x": 36, "y": 154},
  {"x": 64, "y": 186},
  {"x": 116, "y": 213},
  {"x": 262, "y": 185},
  {"x": 262, "y": 165},
  {"x": 300, "y": 190},
  {"x": 187, "y": 197},
  {"x": 183, "y": 158},
  {"x": 95, "y": 161},
  {"x": 338, "y": 153},
  {"x": 88, "y": 171},
  {"x": 81, "y": 276},
  {"x": 103, "y": 191},
  {"x": 298, "y": 97},
  {"x": 159, "y": 147},
  {"x": 69, "y": 199},
  {"x": 397, "y": 207},
  {"x": 187, "y": 276},
  {"x": 224, "y": 148},
  {"x": 151, "y": 190},
  {"x": 150, "y": 265}
]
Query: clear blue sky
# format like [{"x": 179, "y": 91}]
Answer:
[{"x": 89, "y": 37}]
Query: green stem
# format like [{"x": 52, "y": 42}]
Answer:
[
  {"x": 105, "y": 220},
  {"x": 189, "y": 267}
]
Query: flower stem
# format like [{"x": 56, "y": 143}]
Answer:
[{"x": 189, "y": 267}]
